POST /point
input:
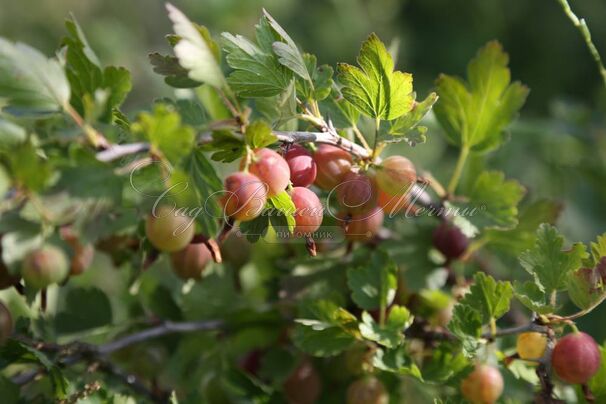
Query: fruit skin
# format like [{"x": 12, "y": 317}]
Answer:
[
  {"x": 44, "y": 266},
  {"x": 168, "y": 231},
  {"x": 190, "y": 262},
  {"x": 303, "y": 169},
  {"x": 332, "y": 164},
  {"x": 6, "y": 324},
  {"x": 531, "y": 345},
  {"x": 82, "y": 259},
  {"x": 450, "y": 241},
  {"x": 245, "y": 196},
  {"x": 309, "y": 213},
  {"x": 483, "y": 386},
  {"x": 303, "y": 386},
  {"x": 396, "y": 175},
  {"x": 576, "y": 358},
  {"x": 392, "y": 204},
  {"x": 367, "y": 391},
  {"x": 357, "y": 193},
  {"x": 364, "y": 226},
  {"x": 271, "y": 169}
]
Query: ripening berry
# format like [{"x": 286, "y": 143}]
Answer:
[
  {"x": 531, "y": 345},
  {"x": 6, "y": 324},
  {"x": 168, "y": 230},
  {"x": 483, "y": 386},
  {"x": 332, "y": 164},
  {"x": 392, "y": 204},
  {"x": 303, "y": 386},
  {"x": 363, "y": 227},
  {"x": 271, "y": 169},
  {"x": 44, "y": 266},
  {"x": 396, "y": 175},
  {"x": 309, "y": 213},
  {"x": 245, "y": 196},
  {"x": 576, "y": 358},
  {"x": 82, "y": 259},
  {"x": 357, "y": 193},
  {"x": 191, "y": 261},
  {"x": 302, "y": 166},
  {"x": 368, "y": 390},
  {"x": 449, "y": 240}
]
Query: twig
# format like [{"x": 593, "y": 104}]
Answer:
[{"x": 581, "y": 25}]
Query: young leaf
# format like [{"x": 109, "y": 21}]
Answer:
[
  {"x": 489, "y": 297},
  {"x": 29, "y": 82},
  {"x": 466, "y": 325},
  {"x": 407, "y": 126},
  {"x": 598, "y": 248},
  {"x": 331, "y": 330},
  {"x": 584, "y": 287},
  {"x": 286, "y": 209},
  {"x": 396, "y": 361},
  {"x": 287, "y": 51},
  {"x": 164, "y": 130},
  {"x": 475, "y": 114},
  {"x": 174, "y": 74},
  {"x": 391, "y": 334},
  {"x": 259, "y": 134},
  {"x": 321, "y": 80},
  {"x": 547, "y": 263},
  {"x": 195, "y": 51},
  {"x": 374, "y": 284},
  {"x": 375, "y": 89},
  {"x": 531, "y": 296},
  {"x": 495, "y": 201},
  {"x": 206, "y": 184},
  {"x": 86, "y": 76}
]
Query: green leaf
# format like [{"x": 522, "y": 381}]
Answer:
[
  {"x": 284, "y": 205},
  {"x": 407, "y": 126},
  {"x": 475, "y": 114},
  {"x": 9, "y": 391},
  {"x": 341, "y": 111},
  {"x": 257, "y": 71},
  {"x": 598, "y": 249},
  {"x": 259, "y": 134},
  {"x": 174, "y": 74},
  {"x": 396, "y": 361},
  {"x": 11, "y": 134},
  {"x": 597, "y": 384},
  {"x": 321, "y": 82},
  {"x": 28, "y": 167},
  {"x": 523, "y": 236},
  {"x": 547, "y": 263},
  {"x": 86, "y": 75},
  {"x": 195, "y": 50},
  {"x": 331, "y": 331},
  {"x": 490, "y": 297},
  {"x": 584, "y": 287},
  {"x": 256, "y": 228},
  {"x": 84, "y": 309},
  {"x": 287, "y": 51},
  {"x": 466, "y": 325},
  {"x": 30, "y": 82},
  {"x": 226, "y": 145},
  {"x": 375, "y": 89},
  {"x": 531, "y": 296},
  {"x": 391, "y": 334},
  {"x": 374, "y": 284},
  {"x": 207, "y": 184},
  {"x": 164, "y": 130},
  {"x": 444, "y": 363},
  {"x": 494, "y": 201},
  {"x": 281, "y": 109}
]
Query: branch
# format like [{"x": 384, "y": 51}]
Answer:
[
  {"x": 330, "y": 136},
  {"x": 581, "y": 25}
]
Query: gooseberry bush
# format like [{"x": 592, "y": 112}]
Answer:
[{"x": 257, "y": 239}]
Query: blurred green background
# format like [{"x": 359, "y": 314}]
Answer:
[{"x": 558, "y": 147}]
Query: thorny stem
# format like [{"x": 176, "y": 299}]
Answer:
[{"x": 581, "y": 25}]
